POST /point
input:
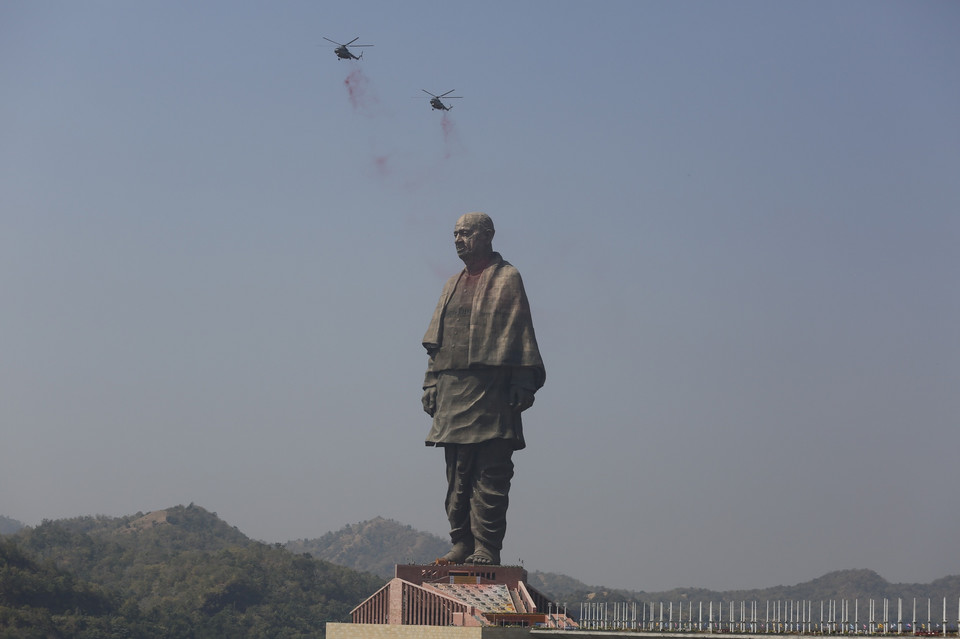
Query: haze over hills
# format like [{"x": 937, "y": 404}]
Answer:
[
  {"x": 183, "y": 572},
  {"x": 9, "y": 526},
  {"x": 377, "y": 544}
]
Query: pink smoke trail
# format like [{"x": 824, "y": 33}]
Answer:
[
  {"x": 450, "y": 138},
  {"x": 358, "y": 90},
  {"x": 381, "y": 162}
]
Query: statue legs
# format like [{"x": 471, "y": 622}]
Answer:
[{"x": 478, "y": 483}]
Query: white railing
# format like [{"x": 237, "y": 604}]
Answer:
[{"x": 827, "y": 617}]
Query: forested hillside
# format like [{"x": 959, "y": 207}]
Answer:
[
  {"x": 41, "y": 601},
  {"x": 178, "y": 573}
]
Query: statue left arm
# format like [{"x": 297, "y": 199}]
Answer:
[{"x": 523, "y": 385}]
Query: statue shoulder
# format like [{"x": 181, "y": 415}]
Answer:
[
  {"x": 504, "y": 267},
  {"x": 505, "y": 271}
]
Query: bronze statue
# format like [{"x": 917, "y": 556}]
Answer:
[{"x": 483, "y": 370}]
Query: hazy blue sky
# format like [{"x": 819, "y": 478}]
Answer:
[{"x": 737, "y": 223}]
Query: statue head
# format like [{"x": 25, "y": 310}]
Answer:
[{"x": 473, "y": 238}]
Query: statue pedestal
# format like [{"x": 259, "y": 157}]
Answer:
[
  {"x": 476, "y": 599},
  {"x": 461, "y": 573}
]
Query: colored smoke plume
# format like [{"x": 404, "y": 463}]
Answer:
[
  {"x": 450, "y": 138},
  {"x": 380, "y": 162},
  {"x": 359, "y": 91}
]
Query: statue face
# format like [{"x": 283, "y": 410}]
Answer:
[{"x": 469, "y": 240}]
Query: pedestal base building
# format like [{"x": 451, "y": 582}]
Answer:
[{"x": 460, "y": 595}]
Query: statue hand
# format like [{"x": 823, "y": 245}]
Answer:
[
  {"x": 520, "y": 398},
  {"x": 429, "y": 400}
]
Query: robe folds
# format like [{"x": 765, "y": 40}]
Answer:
[{"x": 501, "y": 350}]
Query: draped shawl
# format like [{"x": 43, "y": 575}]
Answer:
[{"x": 501, "y": 328}]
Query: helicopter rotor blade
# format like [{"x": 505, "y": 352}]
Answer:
[
  {"x": 428, "y": 93},
  {"x": 447, "y": 93},
  {"x": 352, "y": 41},
  {"x": 329, "y": 40}
]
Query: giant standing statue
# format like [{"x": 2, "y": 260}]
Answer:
[{"x": 483, "y": 370}]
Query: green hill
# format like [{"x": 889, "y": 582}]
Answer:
[{"x": 180, "y": 572}]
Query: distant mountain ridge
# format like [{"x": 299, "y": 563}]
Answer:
[
  {"x": 378, "y": 544},
  {"x": 184, "y": 572},
  {"x": 375, "y": 546},
  {"x": 9, "y": 526}
]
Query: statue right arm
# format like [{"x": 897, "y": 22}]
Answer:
[{"x": 429, "y": 399}]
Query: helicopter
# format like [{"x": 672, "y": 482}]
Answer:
[
  {"x": 437, "y": 104},
  {"x": 343, "y": 53}
]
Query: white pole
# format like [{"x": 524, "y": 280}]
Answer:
[{"x": 944, "y": 616}]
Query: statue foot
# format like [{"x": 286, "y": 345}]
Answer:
[
  {"x": 483, "y": 557},
  {"x": 457, "y": 555}
]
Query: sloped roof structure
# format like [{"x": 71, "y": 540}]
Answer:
[{"x": 460, "y": 595}]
